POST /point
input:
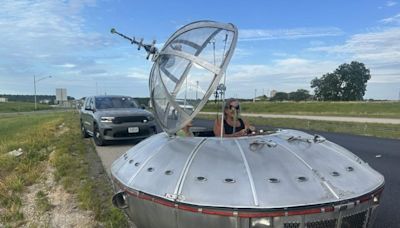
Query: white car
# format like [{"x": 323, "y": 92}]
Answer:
[{"x": 188, "y": 108}]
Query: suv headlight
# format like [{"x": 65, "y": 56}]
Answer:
[{"x": 107, "y": 119}]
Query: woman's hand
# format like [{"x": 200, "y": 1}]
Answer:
[{"x": 242, "y": 132}]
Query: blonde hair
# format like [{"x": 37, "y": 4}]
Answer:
[{"x": 229, "y": 101}]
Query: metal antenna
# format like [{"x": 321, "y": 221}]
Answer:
[{"x": 149, "y": 48}]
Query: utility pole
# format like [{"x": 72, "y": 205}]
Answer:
[
  {"x": 34, "y": 86},
  {"x": 197, "y": 88},
  {"x": 399, "y": 95},
  {"x": 34, "y": 89},
  {"x": 255, "y": 95}
]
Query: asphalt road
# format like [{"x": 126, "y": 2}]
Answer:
[{"x": 381, "y": 154}]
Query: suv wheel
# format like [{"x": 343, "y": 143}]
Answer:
[
  {"x": 98, "y": 139},
  {"x": 84, "y": 132}
]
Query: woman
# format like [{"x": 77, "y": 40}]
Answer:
[{"x": 234, "y": 126}]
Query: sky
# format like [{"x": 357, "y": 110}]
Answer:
[{"x": 282, "y": 44}]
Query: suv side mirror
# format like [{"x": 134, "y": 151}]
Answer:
[
  {"x": 90, "y": 109},
  {"x": 142, "y": 106}
]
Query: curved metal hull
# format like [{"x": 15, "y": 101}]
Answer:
[
  {"x": 288, "y": 179},
  {"x": 153, "y": 212}
]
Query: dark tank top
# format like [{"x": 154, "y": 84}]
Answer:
[{"x": 229, "y": 129}]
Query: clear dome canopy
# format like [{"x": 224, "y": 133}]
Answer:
[{"x": 187, "y": 71}]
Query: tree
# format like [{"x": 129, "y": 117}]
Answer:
[
  {"x": 347, "y": 83},
  {"x": 299, "y": 95},
  {"x": 280, "y": 96}
]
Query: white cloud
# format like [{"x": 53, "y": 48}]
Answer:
[
  {"x": 392, "y": 20},
  {"x": 281, "y": 69},
  {"x": 297, "y": 33},
  {"x": 139, "y": 74},
  {"x": 390, "y": 3},
  {"x": 68, "y": 65},
  {"x": 44, "y": 33},
  {"x": 377, "y": 47},
  {"x": 380, "y": 51}
]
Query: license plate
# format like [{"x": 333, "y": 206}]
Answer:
[{"x": 133, "y": 129}]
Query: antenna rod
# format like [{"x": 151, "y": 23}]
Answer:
[{"x": 150, "y": 48}]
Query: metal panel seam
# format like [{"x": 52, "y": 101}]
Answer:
[
  {"x": 185, "y": 170},
  {"x": 250, "y": 176},
  {"x": 312, "y": 169}
]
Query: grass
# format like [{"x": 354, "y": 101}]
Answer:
[
  {"x": 21, "y": 107},
  {"x": 362, "y": 109},
  {"x": 38, "y": 135},
  {"x": 366, "y": 129},
  {"x": 74, "y": 170},
  {"x": 33, "y": 134},
  {"x": 42, "y": 202}
]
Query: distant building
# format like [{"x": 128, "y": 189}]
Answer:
[
  {"x": 3, "y": 99},
  {"x": 45, "y": 101},
  {"x": 273, "y": 92}
]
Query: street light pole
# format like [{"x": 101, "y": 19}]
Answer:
[
  {"x": 197, "y": 88},
  {"x": 34, "y": 86},
  {"x": 34, "y": 89}
]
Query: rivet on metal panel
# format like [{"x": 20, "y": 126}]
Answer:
[
  {"x": 170, "y": 196},
  {"x": 200, "y": 178},
  {"x": 335, "y": 174},
  {"x": 349, "y": 168},
  {"x": 130, "y": 161},
  {"x": 229, "y": 180},
  {"x": 180, "y": 197},
  {"x": 137, "y": 163},
  {"x": 150, "y": 169},
  {"x": 169, "y": 172},
  {"x": 273, "y": 180},
  {"x": 302, "y": 179}
]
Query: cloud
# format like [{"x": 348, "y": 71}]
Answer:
[
  {"x": 391, "y": 20},
  {"x": 380, "y": 51},
  {"x": 297, "y": 33},
  {"x": 381, "y": 47},
  {"x": 35, "y": 34},
  {"x": 68, "y": 65},
  {"x": 390, "y": 3},
  {"x": 281, "y": 69}
]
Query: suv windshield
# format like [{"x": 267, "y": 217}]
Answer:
[{"x": 115, "y": 102}]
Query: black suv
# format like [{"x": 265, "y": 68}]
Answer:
[{"x": 115, "y": 118}]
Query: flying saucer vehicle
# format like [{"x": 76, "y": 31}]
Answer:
[{"x": 285, "y": 179}]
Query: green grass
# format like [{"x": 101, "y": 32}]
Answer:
[
  {"x": 364, "y": 109},
  {"x": 74, "y": 170},
  {"x": 366, "y": 129},
  {"x": 38, "y": 135},
  {"x": 34, "y": 135},
  {"x": 21, "y": 107},
  {"x": 42, "y": 202}
]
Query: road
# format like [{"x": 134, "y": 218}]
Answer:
[
  {"x": 323, "y": 118},
  {"x": 381, "y": 154}
]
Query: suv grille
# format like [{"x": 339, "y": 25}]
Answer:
[{"x": 129, "y": 119}]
